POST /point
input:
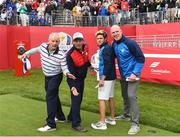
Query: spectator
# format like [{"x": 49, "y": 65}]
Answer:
[
  {"x": 33, "y": 18},
  {"x": 125, "y": 11},
  {"x": 133, "y": 9},
  {"x": 48, "y": 12},
  {"x": 2, "y": 1},
  {"x": 103, "y": 19},
  {"x": 10, "y": 16},
  {"x": 163, "y": 9},
  {"x": 3, "y": 15},
  {"x": 151, "y": 11},
  {"x": 85, "y": 13},
  {"x": 142, "y": 7},
  {"x": 77, "y": 14},
  {"x": 35, "y": 5},
  {"x": 94, "y": 13},
  {"x": 18, "y": 6},
  {"x": 11, "y": 4},
  {"x": 29, "y": 6},
  {"x": 23, "y": 14},
  {"x": 41, "y": 10},
  {"x": 68, "y": 10},
  {"x": 106, "y": 3},
  {"x": 177, "y": 12},
  {"x": 113, "y": 10},
  {"x": 171, "y": 9}
]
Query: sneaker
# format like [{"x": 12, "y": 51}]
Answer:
[
  {"x": 59, "y": 120},
  {"x": 46, "y": 128},
  {"x": 99, "y": 125},
  {"x": 80, "y": 129},
  {"x": 133, "y": 130},
  {"x": 110, "y": 121},
  {"x": 123, "y": 117}
]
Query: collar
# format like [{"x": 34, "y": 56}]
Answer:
[
  {"x": 102, "y": 45},
  {"x": 121, "y": 40}
]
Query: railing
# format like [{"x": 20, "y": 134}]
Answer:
[
  {"x": 160, "y": 41},
  {"x": 66, "y": 18},
  {"x": 27, "y": 20}
]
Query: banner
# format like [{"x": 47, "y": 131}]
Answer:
[
  {"x": 160, "y": 44},
  {"x": 4, "y": 59},
  {"x": 162, "y": 65}
]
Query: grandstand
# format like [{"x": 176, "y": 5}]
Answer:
[{"x": 160, "y": 43}]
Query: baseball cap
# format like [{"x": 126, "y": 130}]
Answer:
[{"x": 78, "y": 35}]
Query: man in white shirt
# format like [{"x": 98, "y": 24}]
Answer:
[{"x": 53, "y": 62}]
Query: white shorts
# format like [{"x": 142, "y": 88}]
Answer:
[{"x": 107, "y": 91}]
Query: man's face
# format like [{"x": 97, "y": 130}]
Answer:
[
  {"x": 78, "y": 43},
  {"x": 100, "y": 40},
  {"x": 116, "y": 33},
  {"x": 54, "y": 42}
]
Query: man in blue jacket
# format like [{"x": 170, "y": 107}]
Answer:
[
  {"x": 107, "y": 76},
  {"x": 130, "y": 62}
]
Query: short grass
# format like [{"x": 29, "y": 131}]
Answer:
[
  {"x": 159, "y": 104},
  {"x": 21, "y": 117}
]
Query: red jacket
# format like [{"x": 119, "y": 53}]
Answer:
[{"x": 78, "y": 64}]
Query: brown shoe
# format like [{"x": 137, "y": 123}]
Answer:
[{"x": 80, "y": 129}]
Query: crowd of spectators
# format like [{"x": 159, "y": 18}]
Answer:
[
  {"x": 27, "y": 12},
  {"x": 90, "y": 13},
  {"x": 125, "y": 11}
]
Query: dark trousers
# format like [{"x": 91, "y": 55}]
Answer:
[
  {"x": 74, "y": 114},
  {"x": 54, "y": 108}
]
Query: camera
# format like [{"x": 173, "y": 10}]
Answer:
[{"x": 21, "y": 50}]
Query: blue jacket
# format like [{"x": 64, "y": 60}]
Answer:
[
  {"x": 107, "y": 62},
  {"x": 130, "y": 57}
]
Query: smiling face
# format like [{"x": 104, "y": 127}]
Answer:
[
  {"x": 116, "y": 32},
  {"x": 53, "y": 41},
  {"x": 78, "y": 43},
  {"x": 100, "y": 40},
  {"x": 101, "y": 37}
]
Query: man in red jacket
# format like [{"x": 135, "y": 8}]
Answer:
[{"x": 78, "y": 63}]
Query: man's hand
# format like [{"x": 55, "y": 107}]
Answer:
[
  {"x": 132, "y": 77},
  {"x": 91, "y": 69},
  {"x": 74, "y": 91},
  {"x": 69, "y": 75},
  {"x": 23, "y": 56},
  {"x": 101, "y": 83}
]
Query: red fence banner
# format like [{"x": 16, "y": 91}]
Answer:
[
  {"x": 162, "y": 53},
  {"x": 4, "y": 58},
  {"x": 160, "y": 44}
]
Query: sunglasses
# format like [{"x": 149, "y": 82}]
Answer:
[{"x": 78, "y": 39}]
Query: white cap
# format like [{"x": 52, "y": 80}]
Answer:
[{"x": 78, "y": 35}]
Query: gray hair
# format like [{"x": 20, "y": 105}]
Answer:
[{"x": 54, "y": 35}]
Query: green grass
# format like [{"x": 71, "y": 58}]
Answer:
[
  {"x": 22, "y": 116},
  {"x": 159, "y": 104}
]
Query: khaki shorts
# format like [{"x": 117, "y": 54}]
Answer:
[{"x": 107, "y": 91}]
